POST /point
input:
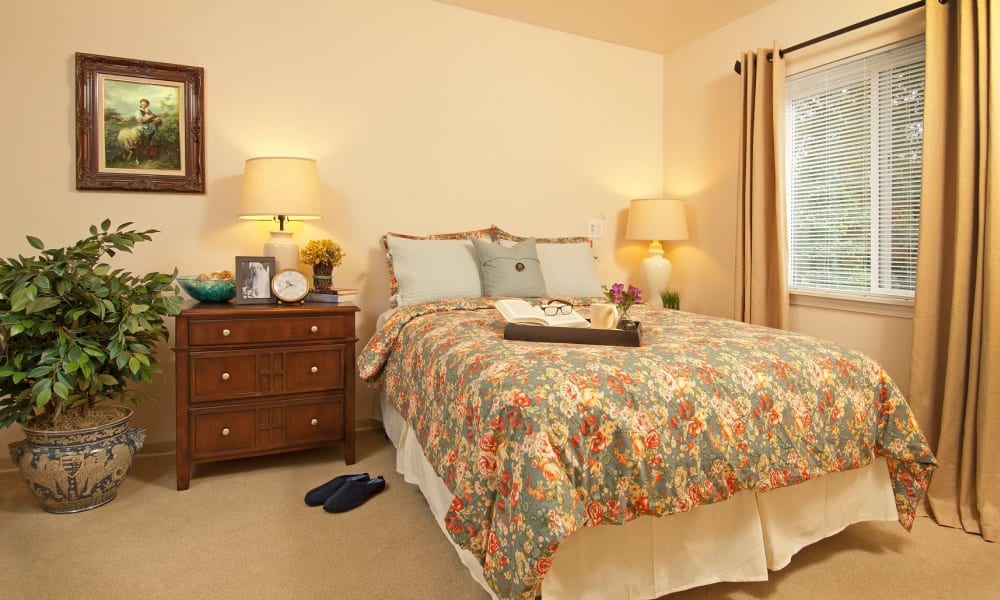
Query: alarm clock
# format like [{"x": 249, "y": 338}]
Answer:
[{"x": 290, "y": 285}]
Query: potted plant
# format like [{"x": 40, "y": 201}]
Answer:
[
  {"x": 323, "y": 255},
  {"x": 671, "y": 299},
  {"x": 76, "y": 333}
]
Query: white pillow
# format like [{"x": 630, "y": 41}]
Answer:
[
  {"x": 428, "y": 270},
  {"x": 569, "y": 270}
]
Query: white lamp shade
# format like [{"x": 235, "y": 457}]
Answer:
[
  {"x": 280, "y": 186},
  {"x": 656, "y": 220}
]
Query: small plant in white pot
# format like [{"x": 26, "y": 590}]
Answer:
[{"x": 76, "y": 333}]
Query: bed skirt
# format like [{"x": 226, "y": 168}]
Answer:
[{"x": 739, "y": 539}]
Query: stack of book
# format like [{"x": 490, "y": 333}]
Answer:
[{"x": 338, "y": 296}]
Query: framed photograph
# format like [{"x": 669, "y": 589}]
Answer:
[
  {"x": 253, "y": 279},
  {"x": 139, "y": 125}
]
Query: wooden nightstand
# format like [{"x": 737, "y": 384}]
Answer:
[{"x": 262, "y": 379}]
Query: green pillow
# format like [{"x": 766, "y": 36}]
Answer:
[{"x": 510, "y": 271}]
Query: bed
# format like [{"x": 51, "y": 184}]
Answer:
[{"x": 712, "y": 453}]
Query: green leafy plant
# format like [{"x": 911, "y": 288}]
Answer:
[
  {"x": 76, "y": 330},
  {"x": 671, "y": 299}
]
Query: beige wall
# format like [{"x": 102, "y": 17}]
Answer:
[
  {"x": 423, "y": 117},
  {"x": 701, "y": 139}
]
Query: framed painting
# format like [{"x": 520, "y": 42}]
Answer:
[
  {"x": 139, "y": 125},
  {"x": 253, "y": 279}
]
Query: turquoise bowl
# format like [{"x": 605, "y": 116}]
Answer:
[{"x": 208, "y": 290}]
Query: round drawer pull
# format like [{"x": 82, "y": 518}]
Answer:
[
  {"x": 314, "y": 422},
  {"x": 314, "y": 329},
  {"x": 226, "y": 332},
  {"x": 225, "y": 431},
  {"x": 314, "y": 370},
  {"x": 225, "y": 376}
]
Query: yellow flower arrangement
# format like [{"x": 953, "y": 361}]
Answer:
[{"x": 322, "y": 252}]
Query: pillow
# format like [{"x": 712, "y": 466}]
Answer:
[
  {"x": 427, "y": 270},
  {"x": 393, "y": 278},
  {"x": 568, "y": 264},
  {"x": 513, "y": 271},
  {"x": 570, "y": 270}
]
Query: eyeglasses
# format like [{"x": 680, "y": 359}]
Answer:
[{"x": 556, "y": 307}]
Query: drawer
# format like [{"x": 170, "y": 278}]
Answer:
[
  {"x": 216, "y": 375},
  {"x": 297, "y": 329},
  {"x": 314, "y": 369},
  {"x": 321, "y": 420},
  {"x": 223, "y": 432},
  {"x": 220, "y": 331}
]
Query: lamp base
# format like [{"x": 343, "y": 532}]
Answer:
[
  {"x": 284, "y": 250},
  {"x": 656, "y": 271}
]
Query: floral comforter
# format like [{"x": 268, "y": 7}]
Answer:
[{"x": 537, "y": 440}]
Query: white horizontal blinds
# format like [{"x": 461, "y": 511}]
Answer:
[
  {"x": 900, "y": 153},
  {"x": 854, "y": 148}
]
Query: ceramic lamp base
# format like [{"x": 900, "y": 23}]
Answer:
[
  {"x": 284, "y": 250},
  {"x": 656, "y": 271}
]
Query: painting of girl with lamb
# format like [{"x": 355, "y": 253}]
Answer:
[{"x": 141, "y": 125}]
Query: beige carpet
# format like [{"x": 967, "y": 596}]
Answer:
[{"x": 242, "y": 531}]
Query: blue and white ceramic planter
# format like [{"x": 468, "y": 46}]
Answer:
[{"x": 73, "y": 471}]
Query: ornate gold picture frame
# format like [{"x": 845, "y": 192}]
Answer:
[{"x": 139, "y": 125}]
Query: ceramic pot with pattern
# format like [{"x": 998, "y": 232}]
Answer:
[{"x": 73, "y": 471}]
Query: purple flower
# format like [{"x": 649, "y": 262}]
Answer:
[
  {"x": 623, "y": 298},
  {"x": 617, "y": 293}
]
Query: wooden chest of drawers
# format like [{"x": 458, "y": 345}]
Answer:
[{"x": 262, "y": 379}]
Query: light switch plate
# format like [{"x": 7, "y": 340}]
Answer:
[{"x": 595, "y": 228}]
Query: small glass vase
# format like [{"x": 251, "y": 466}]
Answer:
[
  {"x": 626, "y": 323},
  {"x": 322, "y": 278}
]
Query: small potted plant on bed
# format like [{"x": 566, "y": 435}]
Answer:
[
  {"x": 323, "y": 255},
  {"x": 76, "y": 333},
  {"x": 671, "y": 299}
]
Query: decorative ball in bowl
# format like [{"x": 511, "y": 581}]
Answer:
[{"x": 208, "y": 290}]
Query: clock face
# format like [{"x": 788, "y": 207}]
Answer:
[{"x": 290, "y": 285}]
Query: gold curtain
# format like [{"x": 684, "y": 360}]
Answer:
[
  {"x": 761, "y": 253},
  {"x": 955, "y": 368}
]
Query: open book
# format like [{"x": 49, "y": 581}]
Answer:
[{"x": 519, "y": 311}]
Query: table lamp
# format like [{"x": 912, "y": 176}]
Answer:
[
  {"x": 280, "y": 188},
  {"x": 656, "y": 220}
]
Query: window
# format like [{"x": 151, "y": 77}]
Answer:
[{"x": 854, "y": 149}]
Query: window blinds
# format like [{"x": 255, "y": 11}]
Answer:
[{"x": 854, "y": 139}]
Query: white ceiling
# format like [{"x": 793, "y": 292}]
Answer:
[{"x": 654, "y": 25}]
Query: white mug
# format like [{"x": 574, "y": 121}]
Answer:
[{"x": 604, "y": 316}]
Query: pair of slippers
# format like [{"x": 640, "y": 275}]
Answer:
[{"x": 345, "y": 492}]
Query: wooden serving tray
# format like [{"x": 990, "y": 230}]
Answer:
[{"x": 574, "y": 335}]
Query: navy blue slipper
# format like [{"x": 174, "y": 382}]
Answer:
[
  {"x": 319, "y": 495},
  {"x": 353, "y": 494}
]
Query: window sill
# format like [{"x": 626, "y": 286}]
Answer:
[{"x": 891, "y": 307}]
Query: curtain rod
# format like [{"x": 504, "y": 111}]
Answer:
[{"x": 843, "y": 30}]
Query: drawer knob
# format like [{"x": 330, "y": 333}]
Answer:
[
  {"x": 225, "y": 376},
  {"x": 314, "y": 370},
  {"x": 225, "y": 431},
  {"x": 314, "y": 422},
  {"x": 314, "y": 329},
  {"x": 226, "y": 332}
]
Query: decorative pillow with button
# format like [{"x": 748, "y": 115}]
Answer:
[
  {"x": 510, "y": 271},
  {"x": 568, "y": 264}
]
